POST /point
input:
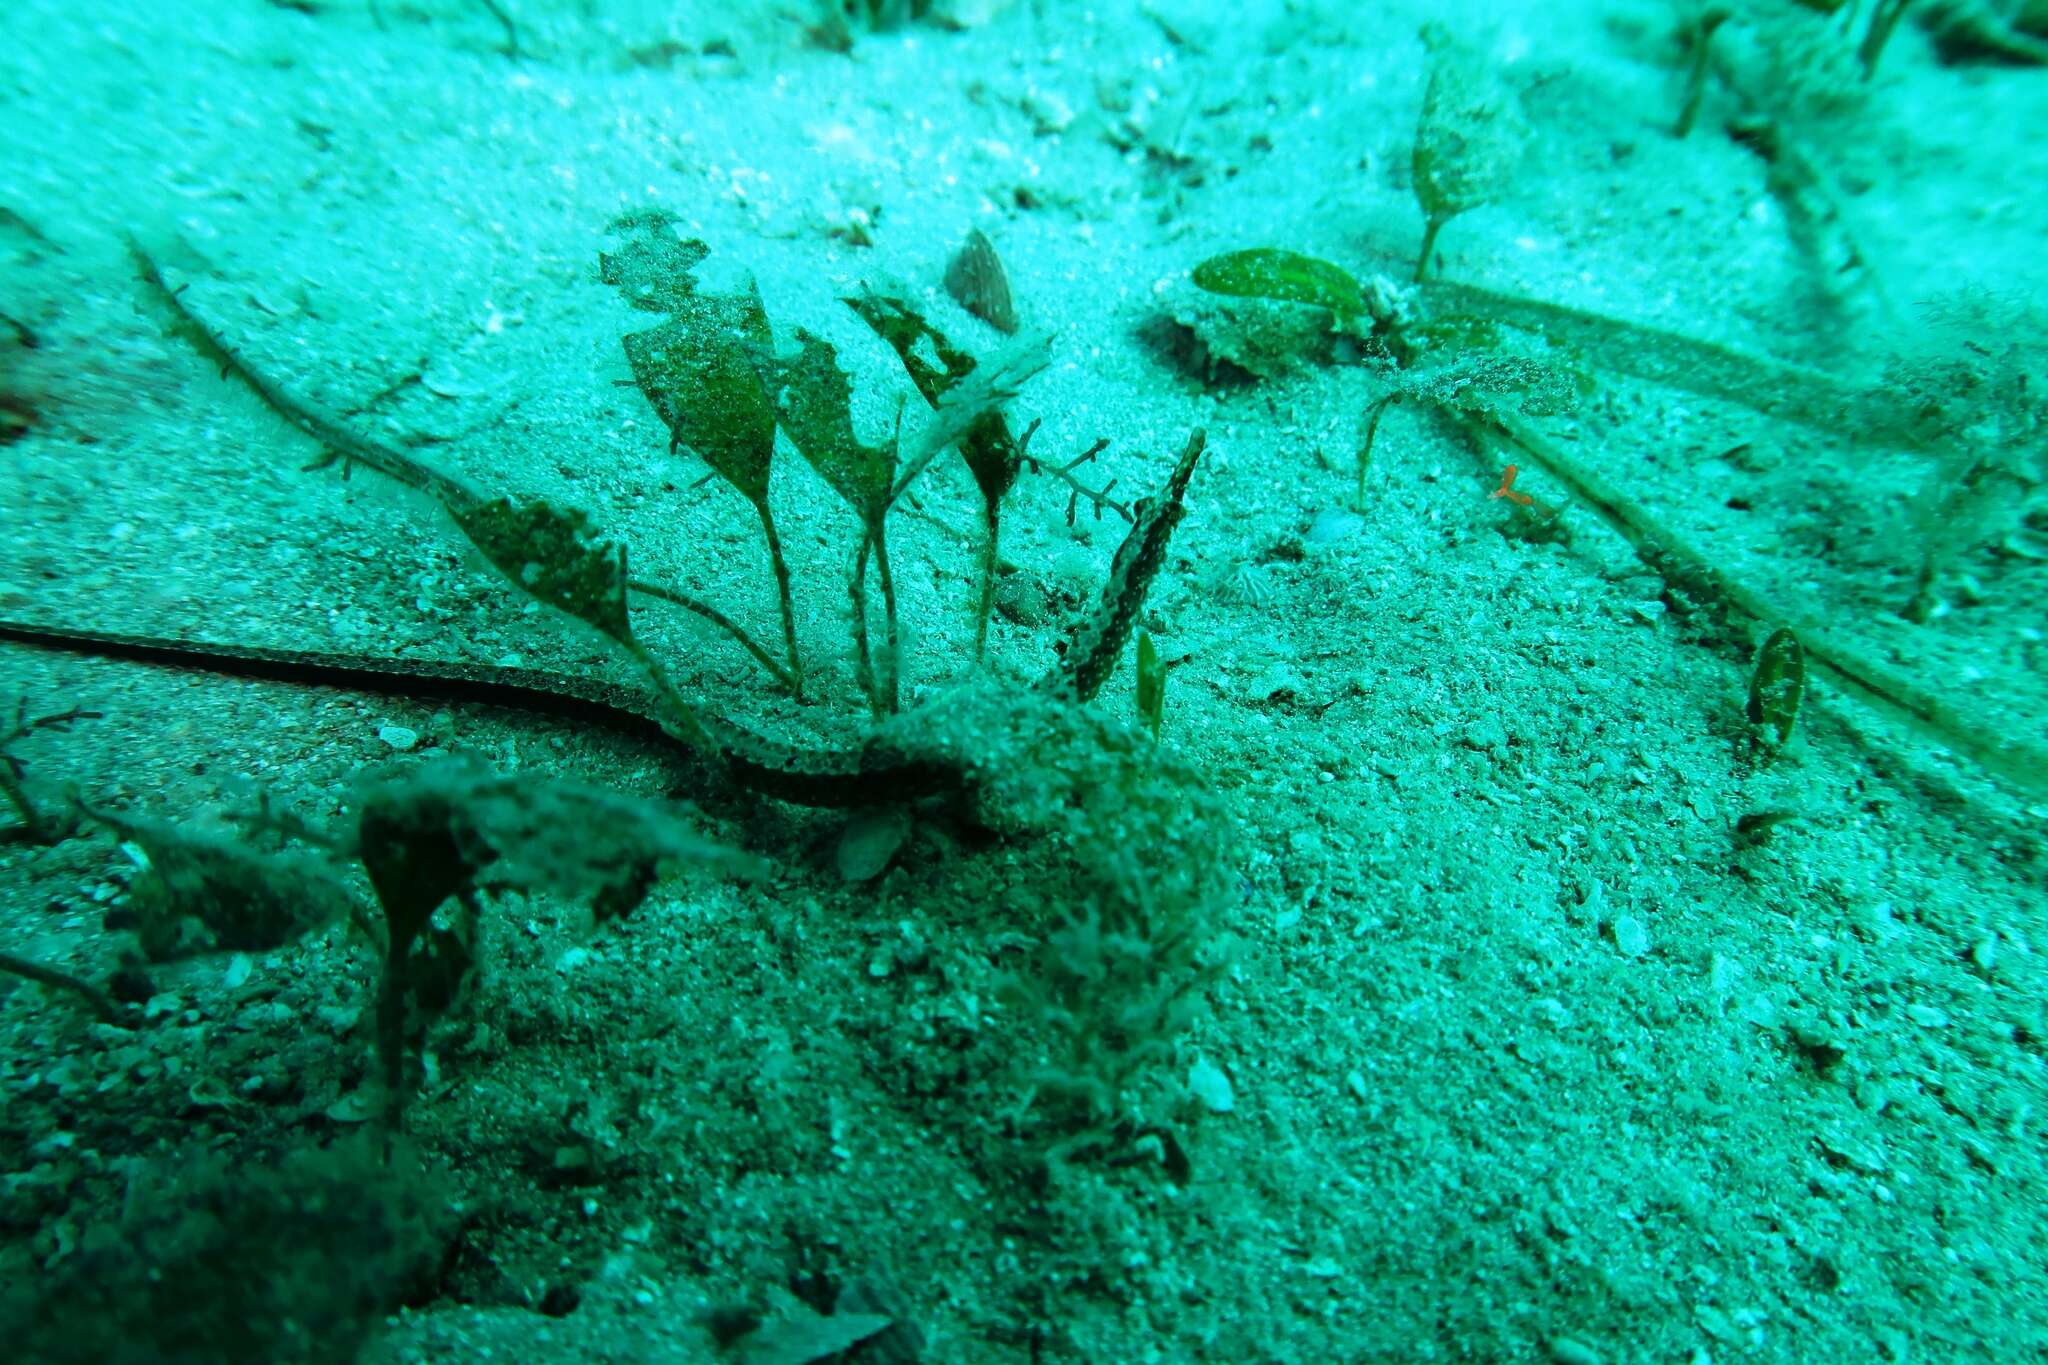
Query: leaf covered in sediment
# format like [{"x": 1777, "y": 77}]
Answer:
[
  {"x": 555, "y": 557},
  {"x": 652, "y": 270},
  {"x": 814, "y": 401},
  {"x": 697, "y": 370},
  {"x": 937, "y": 366}
]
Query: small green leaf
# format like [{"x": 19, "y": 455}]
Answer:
[
  {"x": 698, "y": 374},
  {"x": 1286, "y": 276},
  {"x": 815, "y": 404},
  {"x": 1778, "y": 684},
  {"x": 1151, "y": 684},
  {"x": 1468, "y": 140},
  {"x": 697, "y": 369},
  {"x": 554, "y": 557},
  {"x": 994, "y": 457},
  {"x": 653, "y": 269},
  {"x": 896, "y": 320},
  {"x": 992, "y": 453},
  {"x": 409, "y": 841}
]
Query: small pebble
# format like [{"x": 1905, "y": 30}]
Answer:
[
  {"x": 870, "y": 842},
  {"x": 1486, "y": 732},
  {"x": 358, "y": 1106},
  {"x": 1048, "y": 110},
  {"x": 1984, "y": 952},
  {"x": 1566, "y": 1351},
  {"x": 1631, "y": 936},
  {"x": 1334, "y": 525},
  {"x": 398, "y": 737},
  {"x": 1208, "y": 1083}
]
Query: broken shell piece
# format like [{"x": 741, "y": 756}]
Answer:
[{"x": 976, "y": 280}]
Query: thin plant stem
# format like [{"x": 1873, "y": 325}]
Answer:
[
  {"x": 17, "y": 797},
  {"x": 340, "y": 443},
  {"x": 782, "y": 597},
  {"x": 497, "y": 11},
  {"x": 1696, "y": 78},
  {"x": 1883, "y": 19},
  {"x": 863, "y": 656},
  {"x": 990, "y": 553},
  {"x": 725, "y": 623},
  {"x": 681, "y": 718},
  {"x": 894, "y": 656},
  {"x": 1372, "y": 431},
  {"x": 1429, "y": 231},
  {"x": 1791, "y": 393},
  {"x": 42, "y": 975}
]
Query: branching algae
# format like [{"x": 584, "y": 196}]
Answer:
[
  {"x": 1489, "y": 361},
  {"x": 1145, "y": 843}
]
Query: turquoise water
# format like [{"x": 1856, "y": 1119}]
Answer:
[{"x": 1000, "y": 681}]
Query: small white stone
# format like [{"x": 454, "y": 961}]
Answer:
[
  {"x": 398, "y": 737},
  {"x": 1207, "y": 1083},
  {"x": 1334, "y": 525},
  {"x": 1631, "y": 936},
  {"x": 358, "y": 1106},
  {"x": 1048, "y": 110},
  {"x": 1984, "y": 952},
  {"x": 1566, "y": 1351}
]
